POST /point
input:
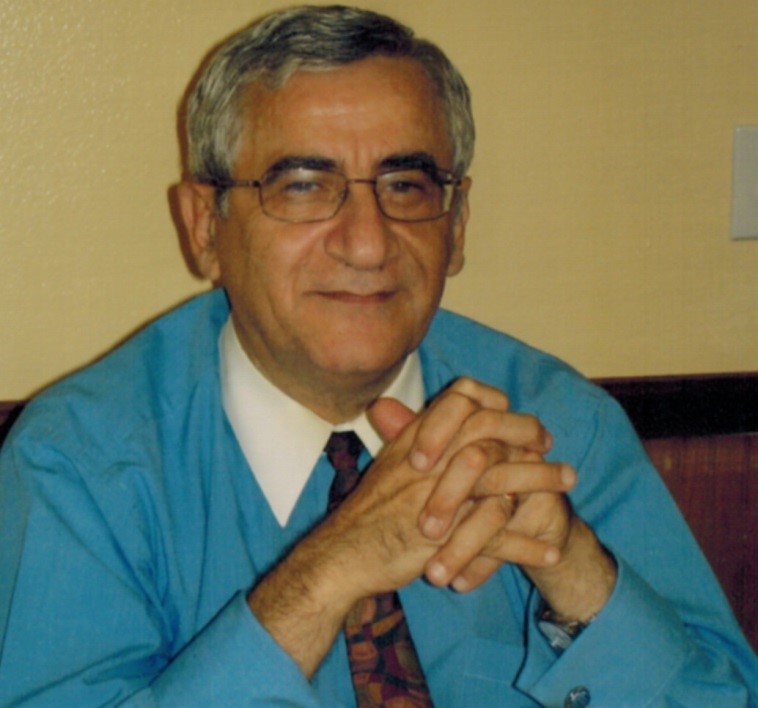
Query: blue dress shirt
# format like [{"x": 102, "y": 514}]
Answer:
[{"x": 132, "y": 530}]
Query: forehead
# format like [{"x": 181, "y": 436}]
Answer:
[{"x": 355, "y": 115}]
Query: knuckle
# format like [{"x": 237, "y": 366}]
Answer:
[
  {"x": 474, "y": 457},
  {"x": 453, "y": 405},
  {"x": 483, "y": 394},
  {"x": 496, "y": 511},
  {"x": 461, "y": 551},
  {"x": 484, "y": 422},
  {"x": 464, "y": 385},
  {"x": 524, "y": 428},
  {"x": 465, "y": 404},
  {"x": 531, "y": 423}
]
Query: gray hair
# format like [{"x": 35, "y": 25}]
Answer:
[{"x": 312, "y": 38}]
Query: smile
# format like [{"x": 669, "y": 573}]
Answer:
[{"x": 351, "y": 298}]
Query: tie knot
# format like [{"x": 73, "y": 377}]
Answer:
[{"x": 343, "y": 450}]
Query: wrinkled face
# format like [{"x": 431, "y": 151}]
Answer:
[{"x": 340, "y": 302}]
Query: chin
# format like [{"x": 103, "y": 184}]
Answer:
[{"x": 368, "y": 365}]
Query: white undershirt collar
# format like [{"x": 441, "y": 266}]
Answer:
[{"x": 282, "y": 439}]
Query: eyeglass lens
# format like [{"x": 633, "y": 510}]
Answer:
[{"x": 301, "y": 194}]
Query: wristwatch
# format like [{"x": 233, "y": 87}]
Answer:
[{"x": 559, "y": 633}]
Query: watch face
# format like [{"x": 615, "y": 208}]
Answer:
[{"x": 557, "y": 636}]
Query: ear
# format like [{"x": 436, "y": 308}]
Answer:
[
  {"x": 458, "y": 235},
  {"x": 198, "y": 211}
]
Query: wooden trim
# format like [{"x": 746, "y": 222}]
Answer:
[
  {"x": 713, "y": 480},
  {"x": 9, "y": 411},
  {"x": 687, "y": 406},
  {"x": 8, "y": 407}
]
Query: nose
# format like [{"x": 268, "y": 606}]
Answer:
[{"x": 361, "y": 237}]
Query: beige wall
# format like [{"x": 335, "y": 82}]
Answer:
[{"x": 602, "y": 182}]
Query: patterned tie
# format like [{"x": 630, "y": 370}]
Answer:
[{"x": 383, "y": 661}]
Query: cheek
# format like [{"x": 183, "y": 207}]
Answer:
[
  {"x": 274, "y": 274},
  {"x": 432, "y": 259}
]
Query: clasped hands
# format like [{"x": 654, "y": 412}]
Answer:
[{"x": 458, "y": 490}]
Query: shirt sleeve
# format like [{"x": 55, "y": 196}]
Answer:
[
  {"x": 232, "y": 662},
  {"x": 82, "y": 618},
  {"x": 667, "y": 635}
]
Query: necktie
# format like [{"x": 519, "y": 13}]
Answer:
[{"x": 383, "y": 660}]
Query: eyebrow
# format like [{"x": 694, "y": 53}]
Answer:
[
  {"x": 409, "y": 161},
  {"x": 401, "y": 161},
  {"x": 307, "y": 162}
]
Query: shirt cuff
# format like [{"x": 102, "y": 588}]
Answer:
[{"x": 637, "y": 629}]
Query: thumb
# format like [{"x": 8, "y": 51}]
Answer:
[{"x": 389, "y": 417}]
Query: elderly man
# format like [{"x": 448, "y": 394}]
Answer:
[{"x": 186, "y": 523}]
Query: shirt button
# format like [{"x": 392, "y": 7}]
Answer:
[{"x": 578, "y": 697}]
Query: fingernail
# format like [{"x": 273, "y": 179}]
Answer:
[
  {"x": 432, "y": 527},
  {"x": 460, "y": 584},
  {"x": 548, "y": 440},
  {"x": 568, "y": 476},
  {"x": 552, "y": 556},
  {"x": 436, "y": 573}
]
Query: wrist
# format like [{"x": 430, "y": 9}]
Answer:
[
  {"x": 318, "y": 571},
  {"x": 302, "y": 605},
  {"x": 579, "y": 585}
]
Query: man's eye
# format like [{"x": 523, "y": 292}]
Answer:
[
  {"x": 306, "y": 184},
  {"x": 405, "y": 186},
  {"x": 300, "y": 186},
  {"x": 408, "y": 184}
]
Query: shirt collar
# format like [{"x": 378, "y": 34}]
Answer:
[{"x": 282, "y": 439}]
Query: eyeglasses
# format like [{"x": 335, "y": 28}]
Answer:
[{"x": 300, "y": 194}]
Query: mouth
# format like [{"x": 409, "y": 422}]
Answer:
[{"x": 352, "y": 298}]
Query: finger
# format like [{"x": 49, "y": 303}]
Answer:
[
  {"x": 522, "y": 549},
  {"x": 485, "y": 396},
  {"x": 465, "y": 423},
  {"x": 473, "y": 473},
  {"x": 481, "y": 569},
  {"x": 517, "y": 430},
  {"x": 504, "y": 547},
  {"x": 389, "y": 417},
  {"x": 522, "y": 478},
  {"x": 445, "y": 416},
  {"x": 457, "y": 484},
  {"x": 483, "y": 532},
  {"x": 512, "y": 548},
  {"x": 543, "y": 516},
  {"x": 468, "y": 540}
]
